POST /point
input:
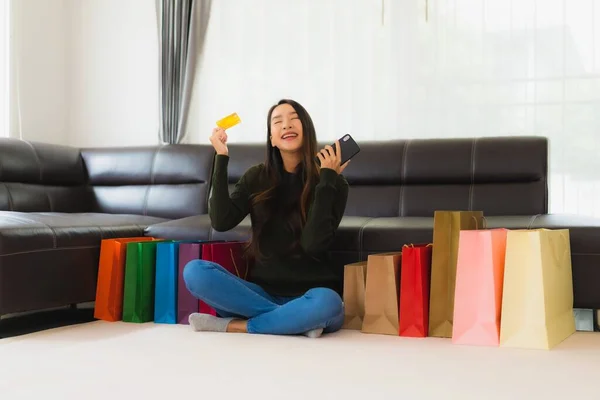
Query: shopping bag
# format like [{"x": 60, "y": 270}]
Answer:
[
  {"x": 140, "y": 271},
  {"x": 381, "y": 294},
  {"x": 165, "y": 292},
  {"x": 355, "y": 278},
  {"x": 414, "y": 290},
  {"x": 187, "y": 303},
  {"x": 111, "y": 271},
  {"x": 229, "y": 255},
  {"x": 446, "y": 228},
  {"x": 537, "y": 303},
  {"x": 479, "y": 283}
]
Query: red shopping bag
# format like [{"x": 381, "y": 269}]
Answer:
[
  {"x": 229, "y": 255},
  {"x": 414, "y": 290}
]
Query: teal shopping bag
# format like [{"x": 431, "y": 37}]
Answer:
[{"x": 165, "y": 288}]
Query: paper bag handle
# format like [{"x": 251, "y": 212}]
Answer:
[
  {"x": 237, "y": 271},
  {"x": 477, "y": 223}
]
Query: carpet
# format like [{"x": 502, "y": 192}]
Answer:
[{"x": 102, "y": 360}]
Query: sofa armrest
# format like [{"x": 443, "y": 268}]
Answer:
[{"x": 41, "y": 177}]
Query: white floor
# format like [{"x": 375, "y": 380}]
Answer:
[{"x": 110, "y": 361}]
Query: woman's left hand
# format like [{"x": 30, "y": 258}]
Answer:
[{"x": 332, "y": 159}]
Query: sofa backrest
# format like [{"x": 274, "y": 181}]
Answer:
[
  {"x": 499, "y": 176},
  {"x": 40, "y": 177},
  {"x": 169, "y": 181}
]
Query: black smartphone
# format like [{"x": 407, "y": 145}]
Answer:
[{"x": 348, "y": 147}]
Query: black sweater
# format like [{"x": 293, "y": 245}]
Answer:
[{"x": 284, "y": 273}]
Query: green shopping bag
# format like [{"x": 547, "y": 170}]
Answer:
[{"x": 138, "y": 294}]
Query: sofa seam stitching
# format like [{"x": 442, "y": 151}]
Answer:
[
  {"x": 9, "y": 196},
  {"x": 532, "y": 221},
  {"x": 471, "y": 186},
  {"x": 403, "y": 177},
  {"x": 51, "y": 249},
  {"x": 54, "y": 240},
  {"x": 148, "y": 187},
  {"x": 39, "y": 163}
]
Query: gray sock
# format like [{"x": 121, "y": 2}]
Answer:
[
  {"x": 315, "y": 333},
  {"x": 208, "y": 323}
]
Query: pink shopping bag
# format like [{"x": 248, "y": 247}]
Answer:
[{"x": 479, "y": 284}]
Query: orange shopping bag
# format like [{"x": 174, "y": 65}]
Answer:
[
  {"x": 111, "y": 270},
  {"x": 479, "y": 285}
]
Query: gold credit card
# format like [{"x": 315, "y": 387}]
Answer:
[{"x": 229, "y": 121}]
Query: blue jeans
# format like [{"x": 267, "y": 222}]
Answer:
[{"x": 233, "y": 297}]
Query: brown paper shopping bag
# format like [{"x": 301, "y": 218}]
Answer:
[
  {"x": 381, "y": 294},
  {"x": 355, "y": 278},
  {"x": 537, "y": 303},
  {"x": 446, "y": 229}
]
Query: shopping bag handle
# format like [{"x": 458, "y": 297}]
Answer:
[
  {"x": 484, "y": 226},
  {"x": 237, "y": 271}
]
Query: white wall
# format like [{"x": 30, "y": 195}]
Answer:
[
  {"x": 324, "y": 54},
  {"x": 113, "y": 97},
  {"x": 41, "y": 68},
  {"x": 86, "y": 72}
]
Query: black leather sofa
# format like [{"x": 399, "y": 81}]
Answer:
[{"x": 60, "y": 202}]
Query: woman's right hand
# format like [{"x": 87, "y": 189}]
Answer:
[{"x": 219, "y": 141}]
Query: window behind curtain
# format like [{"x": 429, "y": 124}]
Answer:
[{"x": 393, "y": 69}]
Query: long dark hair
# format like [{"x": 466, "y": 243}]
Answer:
[{"x": 262, "y": 210}]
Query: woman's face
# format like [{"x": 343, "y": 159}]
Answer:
[{"x": 286, "y": 129}]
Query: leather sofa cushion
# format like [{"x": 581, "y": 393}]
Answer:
[
  {"x": 196, "y": 227},
  {"x": 381, "y": 235},
  {"x": 348, "y": 236},
  {"x": 389, "y": 234},
  {"x": 28, "y": 197},
  {"x": 165, "y": 181},
  {"x": 584, "y": 233},
  {"x": 413, "y": 178},
  {"x": 51, "y": 259},
  {"x": 42, "y": 177},
  {"x": 40, "y": 163},
  {"x": 30, "y": 232}
]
